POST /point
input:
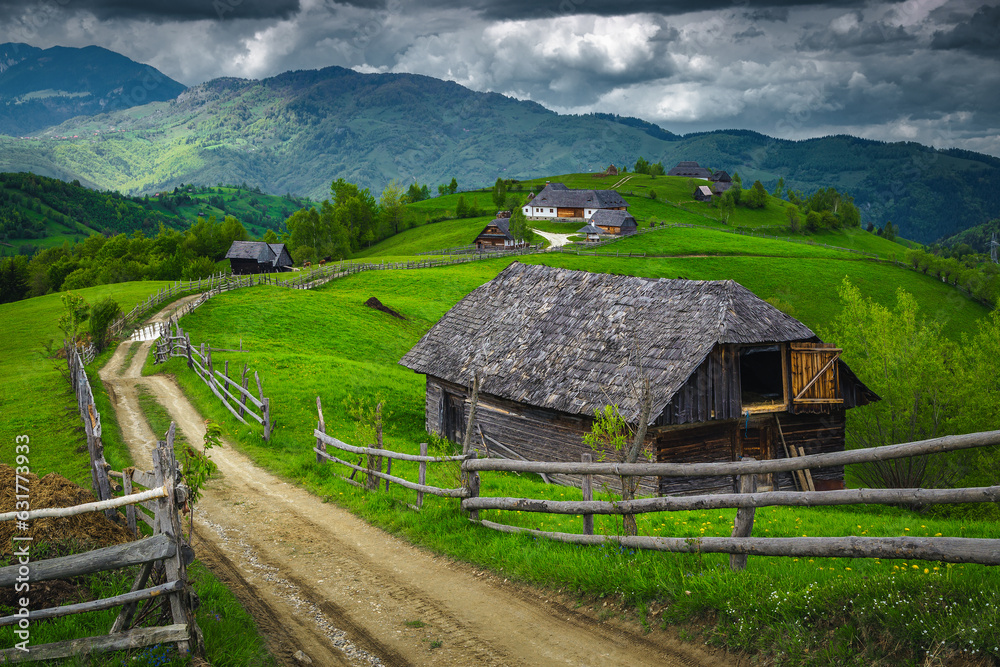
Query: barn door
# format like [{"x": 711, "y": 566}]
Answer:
[
  {"x": 454, "y": 418},
  {"x": 815, "y": 376}
]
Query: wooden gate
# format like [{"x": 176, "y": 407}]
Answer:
[{"x": 815, "y": 376}]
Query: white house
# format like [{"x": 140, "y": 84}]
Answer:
[{"x": 557, "y": 202}]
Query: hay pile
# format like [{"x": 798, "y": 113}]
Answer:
[{"x": 90, "y": 530}]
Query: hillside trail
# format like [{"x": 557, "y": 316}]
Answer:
[
  {"x": 320, "y": 580},
  {"x": 555, "y": 240}
]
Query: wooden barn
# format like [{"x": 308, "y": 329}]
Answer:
[
  {"x": 689, "y": 169},
  {"x": 703, "y": 193},
  {"x": 721, "y": 181},
  {"x": 619, "y": 223},
  {"x": 246, "y": 257},
  {"x": 731, "y": 375}
]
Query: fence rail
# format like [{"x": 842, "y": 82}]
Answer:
[
  {"x": 175, "y": 342},
  {"x": 166, "y": 547},
  {"x": 373, "y": 467},
  {"x": 747, "y": 500}
]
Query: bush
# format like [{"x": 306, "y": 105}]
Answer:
[{"x": 102, "y": 314}]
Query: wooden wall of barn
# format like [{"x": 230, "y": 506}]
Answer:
[
  {"x": 536, "y": 434},
  {"x": 759, "y": 438},
  {"x": 712, "y": 391}
]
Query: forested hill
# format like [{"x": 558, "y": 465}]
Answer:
[
  {"x": 38, "y": 212},
  {"x": 298, "y": 131},
  {"x": 43, "y": 87}
]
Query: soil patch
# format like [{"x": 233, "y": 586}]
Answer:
[{"x": 378, "y": 305}]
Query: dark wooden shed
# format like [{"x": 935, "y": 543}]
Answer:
[
  {"x": 246, "y": 257},
  {"x": 731, "y": 375}
]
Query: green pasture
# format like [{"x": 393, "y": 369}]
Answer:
[{"x": 326, "y": 343}]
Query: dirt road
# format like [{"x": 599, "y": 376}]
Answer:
[{"x": 320, "y": 580}]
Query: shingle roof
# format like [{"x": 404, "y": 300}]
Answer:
[
  {"x": 281, "y": 255},
  {"x": 590, "y": 229},
  {"x": 575, "y": 341},
  {"x": 502, "y": 223},
  {"x": 703, "y": 190},
  {"x": 257, "y": 250},
  {"x": 612, "y": 218},
  {"x": 720, "y": 177},
  {"x": 689, "y": 169},
  {"x": 558, "y": 195}
]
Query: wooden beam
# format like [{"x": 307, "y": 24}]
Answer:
[
  {"x": 137, "y": 638},
  {"x": 945, "y": 549},
  {"x": 95, "y": 605},
  {"x": 100, "y": 505},
  {"x": 825, "y": 368},
  {"x": 98, "y": 560},
  {"x": 986, "y": 494},
  {"x": 888, "y": 452},
  {"x": 333, "y": 442},
  {"x": 433, "y": 490}
]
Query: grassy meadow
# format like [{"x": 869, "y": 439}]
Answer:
[{"x": 790, "y": 611}]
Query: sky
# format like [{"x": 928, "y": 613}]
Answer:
[{"x": 912, "y": 70}]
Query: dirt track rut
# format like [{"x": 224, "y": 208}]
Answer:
[{"x": 318, "y": 579}]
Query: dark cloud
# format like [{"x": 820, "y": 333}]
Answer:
[
  {"x": 749, "y": 33},
  {"x": 980, "y": 34},
  {"x": 770, "y": 14},
  {"x": 156, "y": 10},
  {"x": 852, "y": 31}
]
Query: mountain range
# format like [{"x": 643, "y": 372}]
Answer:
[{"x": 298, "y": 131}]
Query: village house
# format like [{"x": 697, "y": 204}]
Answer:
[
  {"x": 556, "y": 201},
  {"x": 689, "y": 169},
  {"x": 619, "y": 223},
  {"x": 246, "y": 257},
  {"x": 496, "y": 235},
  {"x": 731, "y": 376}
]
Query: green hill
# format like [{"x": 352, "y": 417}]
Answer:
[
  {"x": 297, "y": 131},
  {"x": 40, "y": 212}
]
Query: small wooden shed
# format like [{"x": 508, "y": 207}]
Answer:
[
  {"x": 731, "y": 375},
  {"x": 496, "y": 234},
  {"x": 619, "y": 223},
  {"x": 592, "y": 232},
  {"x": 703, "y": 193}
]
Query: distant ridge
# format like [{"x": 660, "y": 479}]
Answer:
[
  {"x": 300, "y": 130},
  {"x": 44, "y": 87}
]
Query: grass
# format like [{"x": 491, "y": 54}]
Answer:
[
  {"x": 433, "y": 236},
  {"x": 790, "y": 611}
]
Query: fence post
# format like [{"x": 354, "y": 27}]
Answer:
[
  {"x": 422, "y": 475},
  {"x": 187, "y": 348},
  {"x": 743, "y": 525},
  {"x": 588, "y": 494},
  {"x": 472, "y": 485},
  {"x": 321, "y": 426},
  {"x": 129, "y": 509},
  {"x": 244, "y": 381},
  {"x": 266, "y": 414}
]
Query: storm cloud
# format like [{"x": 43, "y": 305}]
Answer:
[{"x": 916, "y": 70}]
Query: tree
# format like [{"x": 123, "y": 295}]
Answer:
[
  {"x": 780, "y": 187},
  {"x": 390, "y": 205},
  {"x": 102, "y": 315},
  {"x": 756, "y": 196},
  {"x": 652, "y": 193},
  {"x": 499, "y": 193},
  {"x": 737, "y": 181},
  {"x": 641, "y": 166},
  {"x": 76, "y": 311},
  {"x": 461, "y": 209},
  {"x": 519, "y": 225},
  {"x": 453, "y": 186},
  {"x": 889, "y": 232},
  {"x": 794, "y": 219},
  {"x": 609, "y": 437}
]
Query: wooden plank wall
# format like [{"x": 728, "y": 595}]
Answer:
[
  {"x": 536, "y": 434},
  {"x": 712, "y": 391},
  {"x": 707, "y": 443},
  {"x": 817, "y": 434}
]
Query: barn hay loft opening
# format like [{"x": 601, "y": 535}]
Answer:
[{"x": 761, "y": 385}]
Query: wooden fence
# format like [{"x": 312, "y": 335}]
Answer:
[
  {"x": 235, "y": 395},
  {"x": 741, "y": 544},
  {"x": 163, "y": 552},
  {"x": 91, "y": 424},
  {"x": 373, "y": 467}
]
